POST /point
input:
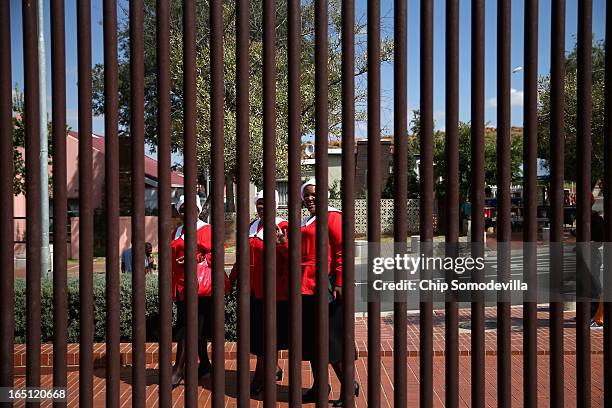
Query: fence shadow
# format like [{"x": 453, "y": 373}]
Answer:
[{"x": 231, "y": 382}]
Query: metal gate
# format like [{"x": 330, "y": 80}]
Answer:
[{"x": 451, "y": 177}]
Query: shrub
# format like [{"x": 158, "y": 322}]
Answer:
[{"x": 99, "y": 312}]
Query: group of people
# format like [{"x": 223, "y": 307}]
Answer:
[{"x": 256, "y": 279}]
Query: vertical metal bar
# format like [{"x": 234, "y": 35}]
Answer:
[
  {"x": 607, "y": 281},
  {"x": 400, "y": 206},
  {"x": 295, "y": 204},
  {"x": 243, "y": 204},
  {"x": 138, "y": 208},
  {"x": 60, "y": 204},
  {"x": 216, "y": 125},
  {"x": 7, "y": 321},
  {"x": 426, "y": 199},
  {"x": 374, "y": 193},
  {"x": 322, "y": 234},
  {"x": 348, "y": 199},
  {"x": 191, "y": 169},
  {"x": 85, "y": 204},
  {"x": 33, "y": 219},
  {"x": 557, "y": 154},
  {"x": 530, "y": 231},
  {"x": 269, "y": 173},
  {"x": 452, "y": 195},
  {"x": 111, "y": 165},
  {"x": 164, "y": 124},
  {"x": 504, "y": 179},
  {"x": 583, "y": 201},
  {"x": 477, "y": 195}
]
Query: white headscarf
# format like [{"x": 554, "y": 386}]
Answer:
[
  {"x": 311, "y": 182},
  {"x": 260, "y": 195},
  {"x": 181, "y": 201}
]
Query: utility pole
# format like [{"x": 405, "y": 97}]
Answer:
[{"x": 45, "y": 258}]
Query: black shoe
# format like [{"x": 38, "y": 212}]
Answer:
[
  {"x": 176, "y": 380},
  {"x": 257, "y": 387},
  {"x": 279, "y": 374},
  {"x": 204, "y": 369},
  {"x": 311, "y": 394},
  {"x": 339, "y": 402}
]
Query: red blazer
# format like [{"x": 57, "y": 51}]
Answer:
[
  {"x": 204, "y": 243},
  {"x": 334, "y": 253},
  {"x": 256, "y": 245}
]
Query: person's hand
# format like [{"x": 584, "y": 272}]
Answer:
[
  {"x": 180, "y": 260},
  {"x": 281, "y": 236},
  {"x": 337, "y": 292}
]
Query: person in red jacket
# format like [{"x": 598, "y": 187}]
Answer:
[
  {"x": 204, "y": 248},
  {"x": 334, "y": 262},
  {"x": 257, "y": 272}
]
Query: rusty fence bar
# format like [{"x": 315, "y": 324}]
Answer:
[
  {"x": 374, "y": 194},
  {"x": 7, "y": 320},
  {"x": 322, "y": 235},
  {"x": 33, "y": 219},
  {"x": 60, "y": 204},
  {"x": 217, "y": 175},
  {"x": 243, "y": 199},
  {"x": 269, "y": 170},
  {"x": 400, "y": 207},
  {"x": 504, "y": 178},
  {"x": 477, "y": 196},
  {"x": 557, "y": 154},
  {"x": 451, "y": 152},
  {"x": 348, "y": 199},
  {"x": 164, "y": 124},
  {"x": 85, "y": 205},
  {"x": 607, "y": 280},
  {"x": 583, "y": 200},
  {"x": 426, "y": 200},
  {"x": 191, "y": 169},
  {"x": 111, "y": 166},
  {"x": 294, "y": 203},
  {"x": 138, "y": 208},
  {"x": 530, "y": 229}
]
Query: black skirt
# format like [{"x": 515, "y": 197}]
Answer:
[
  {"x": 257, "y": 326},
  {"x": 205, "y": 318},
  {"x": 336, "y": 328}
]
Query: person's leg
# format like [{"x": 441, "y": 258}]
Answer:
[
  {"x": 179, "y": 366},
  {"x": 204, "y": 367}
]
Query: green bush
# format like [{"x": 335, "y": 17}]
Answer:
[{"x": 99, "y": 302}]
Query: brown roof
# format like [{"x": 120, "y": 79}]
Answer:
[{"x": 98, "y": 143}]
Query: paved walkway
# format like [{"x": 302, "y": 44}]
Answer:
[{"x": 387, "y": 366}]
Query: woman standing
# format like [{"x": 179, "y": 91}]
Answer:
[
  {"x": 204, "y": 248},
  {"x": 256, "y": 245},
  {"x": 334, "y": 262}
]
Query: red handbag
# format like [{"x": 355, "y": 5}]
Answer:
[{"x": 204, "y": 274}]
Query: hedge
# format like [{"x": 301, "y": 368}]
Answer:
[{"x": 99, "y": 293}]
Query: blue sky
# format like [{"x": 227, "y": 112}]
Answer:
[{"x": 387, "y": 69}]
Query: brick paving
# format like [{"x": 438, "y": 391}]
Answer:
[
  {"x": 361, "y": 375},
  {"x": 361, "y": 365}
]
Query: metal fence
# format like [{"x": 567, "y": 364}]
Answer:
[{"x": 400, "y": 398}]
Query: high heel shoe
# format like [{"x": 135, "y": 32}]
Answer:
[
  {"x": 204, "y": 369},
  {"x": 339, "y": 402},
  {"x": 177, "y": 382},
  {"x": 311, "y": 394}
]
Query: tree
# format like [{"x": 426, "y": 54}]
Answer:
[
  {"x": 256, "y": 97},
  {"x": 570, "y": 93},
  {"x": 465, "y": 168}
]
